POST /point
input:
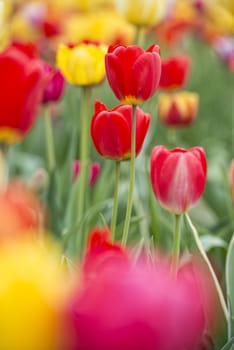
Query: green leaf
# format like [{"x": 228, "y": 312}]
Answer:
[
  {"x": 229, "y": 345},
  {"x": 209, "y": 242},
  {"x": 230, "y": 284}
]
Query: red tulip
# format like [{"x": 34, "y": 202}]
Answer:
[
  {"x": 111, "y": 130},
  {"x": 133, "y": 74},
  {"x": 55, "y": 84},
  {"x": 101, "y": 252},
  {"x": 174, "y": 72},
  {"x": 178, "y": 177},
  {"x": 136, "y": 306},
  {"x": 21, "y": 91}
]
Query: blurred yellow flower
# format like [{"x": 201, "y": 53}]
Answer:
[
  {"x": 90, "y": 5},
  {"x": 141, "y": 12},
  {"x": 105, "y": 26},
  {"x": 221, "y": 15},
  {"x": 33, "y": 294},
  {"x": 82, "y": 64}
]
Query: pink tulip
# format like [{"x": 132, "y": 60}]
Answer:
[
  {"x": 94, "y": 172},
  {"x": 136, "y": 306},
  {"x": 178, "y": 177}
]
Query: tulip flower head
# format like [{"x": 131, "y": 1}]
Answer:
[
  {"x": 22, "y": 84},
  {"x": 177, "y": 110},
  {"x": 55, "y": 84},
  {"x": 111, "y": 130},
  {"x": 174, "y": 72},
  {"x": 82, "y": 64},
  {"x": 34, "y": 292},
  {"x": 141, "y": 12},
  {"x": 20, "y": 213},
  {"x": 133, "y": 74},
  {"x": 178, "y": 177},
  {"x": 101, "y": 251},
  {"x": 135, "y": 306}
]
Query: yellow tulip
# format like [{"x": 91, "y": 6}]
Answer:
[
  {"x": 141, "y": 12},
  {"x": 82, "y": 64},
  {"x": 33, "y": 293}
]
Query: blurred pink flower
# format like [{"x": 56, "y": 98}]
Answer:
[
  {"x": 94, "y": 172},
  {"x": 55, "y": 86},
  {"x": 139, "y": 306}
]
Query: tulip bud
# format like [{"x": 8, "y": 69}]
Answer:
[
  {"x": 82, "y": 64},
  {"x": 22, "y": 83},
  {"x": 178, "y": 177},
  {"x": 133, "y": 74},
  {"x": 174, "y": 72},
  {"x": 111, "y": 130},
  {"x": 178, "y": 109},
  {"x": 55, "y": 84}
]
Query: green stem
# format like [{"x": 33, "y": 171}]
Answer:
[
  {"x": 3, "y": 166},
  {"x": 232, "y": 114},
  {"x": 139, "y": 36},
  {"x": 210, "y": 268},
  {"x": 49, "y": 141},
  {"x": 115, "y": 204},
  {"x": 84, "y": 155},
  {"x": 176, "y": 244},
  {"x": 132, "y": 177}
]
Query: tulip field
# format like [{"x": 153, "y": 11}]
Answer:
[{"x": 117, "y": 175}]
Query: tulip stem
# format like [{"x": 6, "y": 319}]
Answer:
[
  {"x": 210, "y": 268},
  {"x": 115, "y": 204},
  {"x": 49, "y": 140},
  {"x": 176, "y": 244},
  {"x": 3, "y": 166},
  {"x": 84, "y": 156},
  {"x": 139, "y": 37},
  {"x": 132, "y": 178}
]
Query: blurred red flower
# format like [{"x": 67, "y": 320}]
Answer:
[
  {"x": 94, "y": 172},
  {"x": 174, "y": 72},
  {"x": 22, "y": 83}
]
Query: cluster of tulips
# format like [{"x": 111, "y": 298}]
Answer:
[{"x": 85, "y": 286}]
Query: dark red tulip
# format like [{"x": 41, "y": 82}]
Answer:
[
  {"x": 111, "y": 130},
  {"x": 174, "y": 72},
  {"x": 22, "y": 84},
  {"x": 133, "y": 74},
  {"x": 178, "y": 177}
]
